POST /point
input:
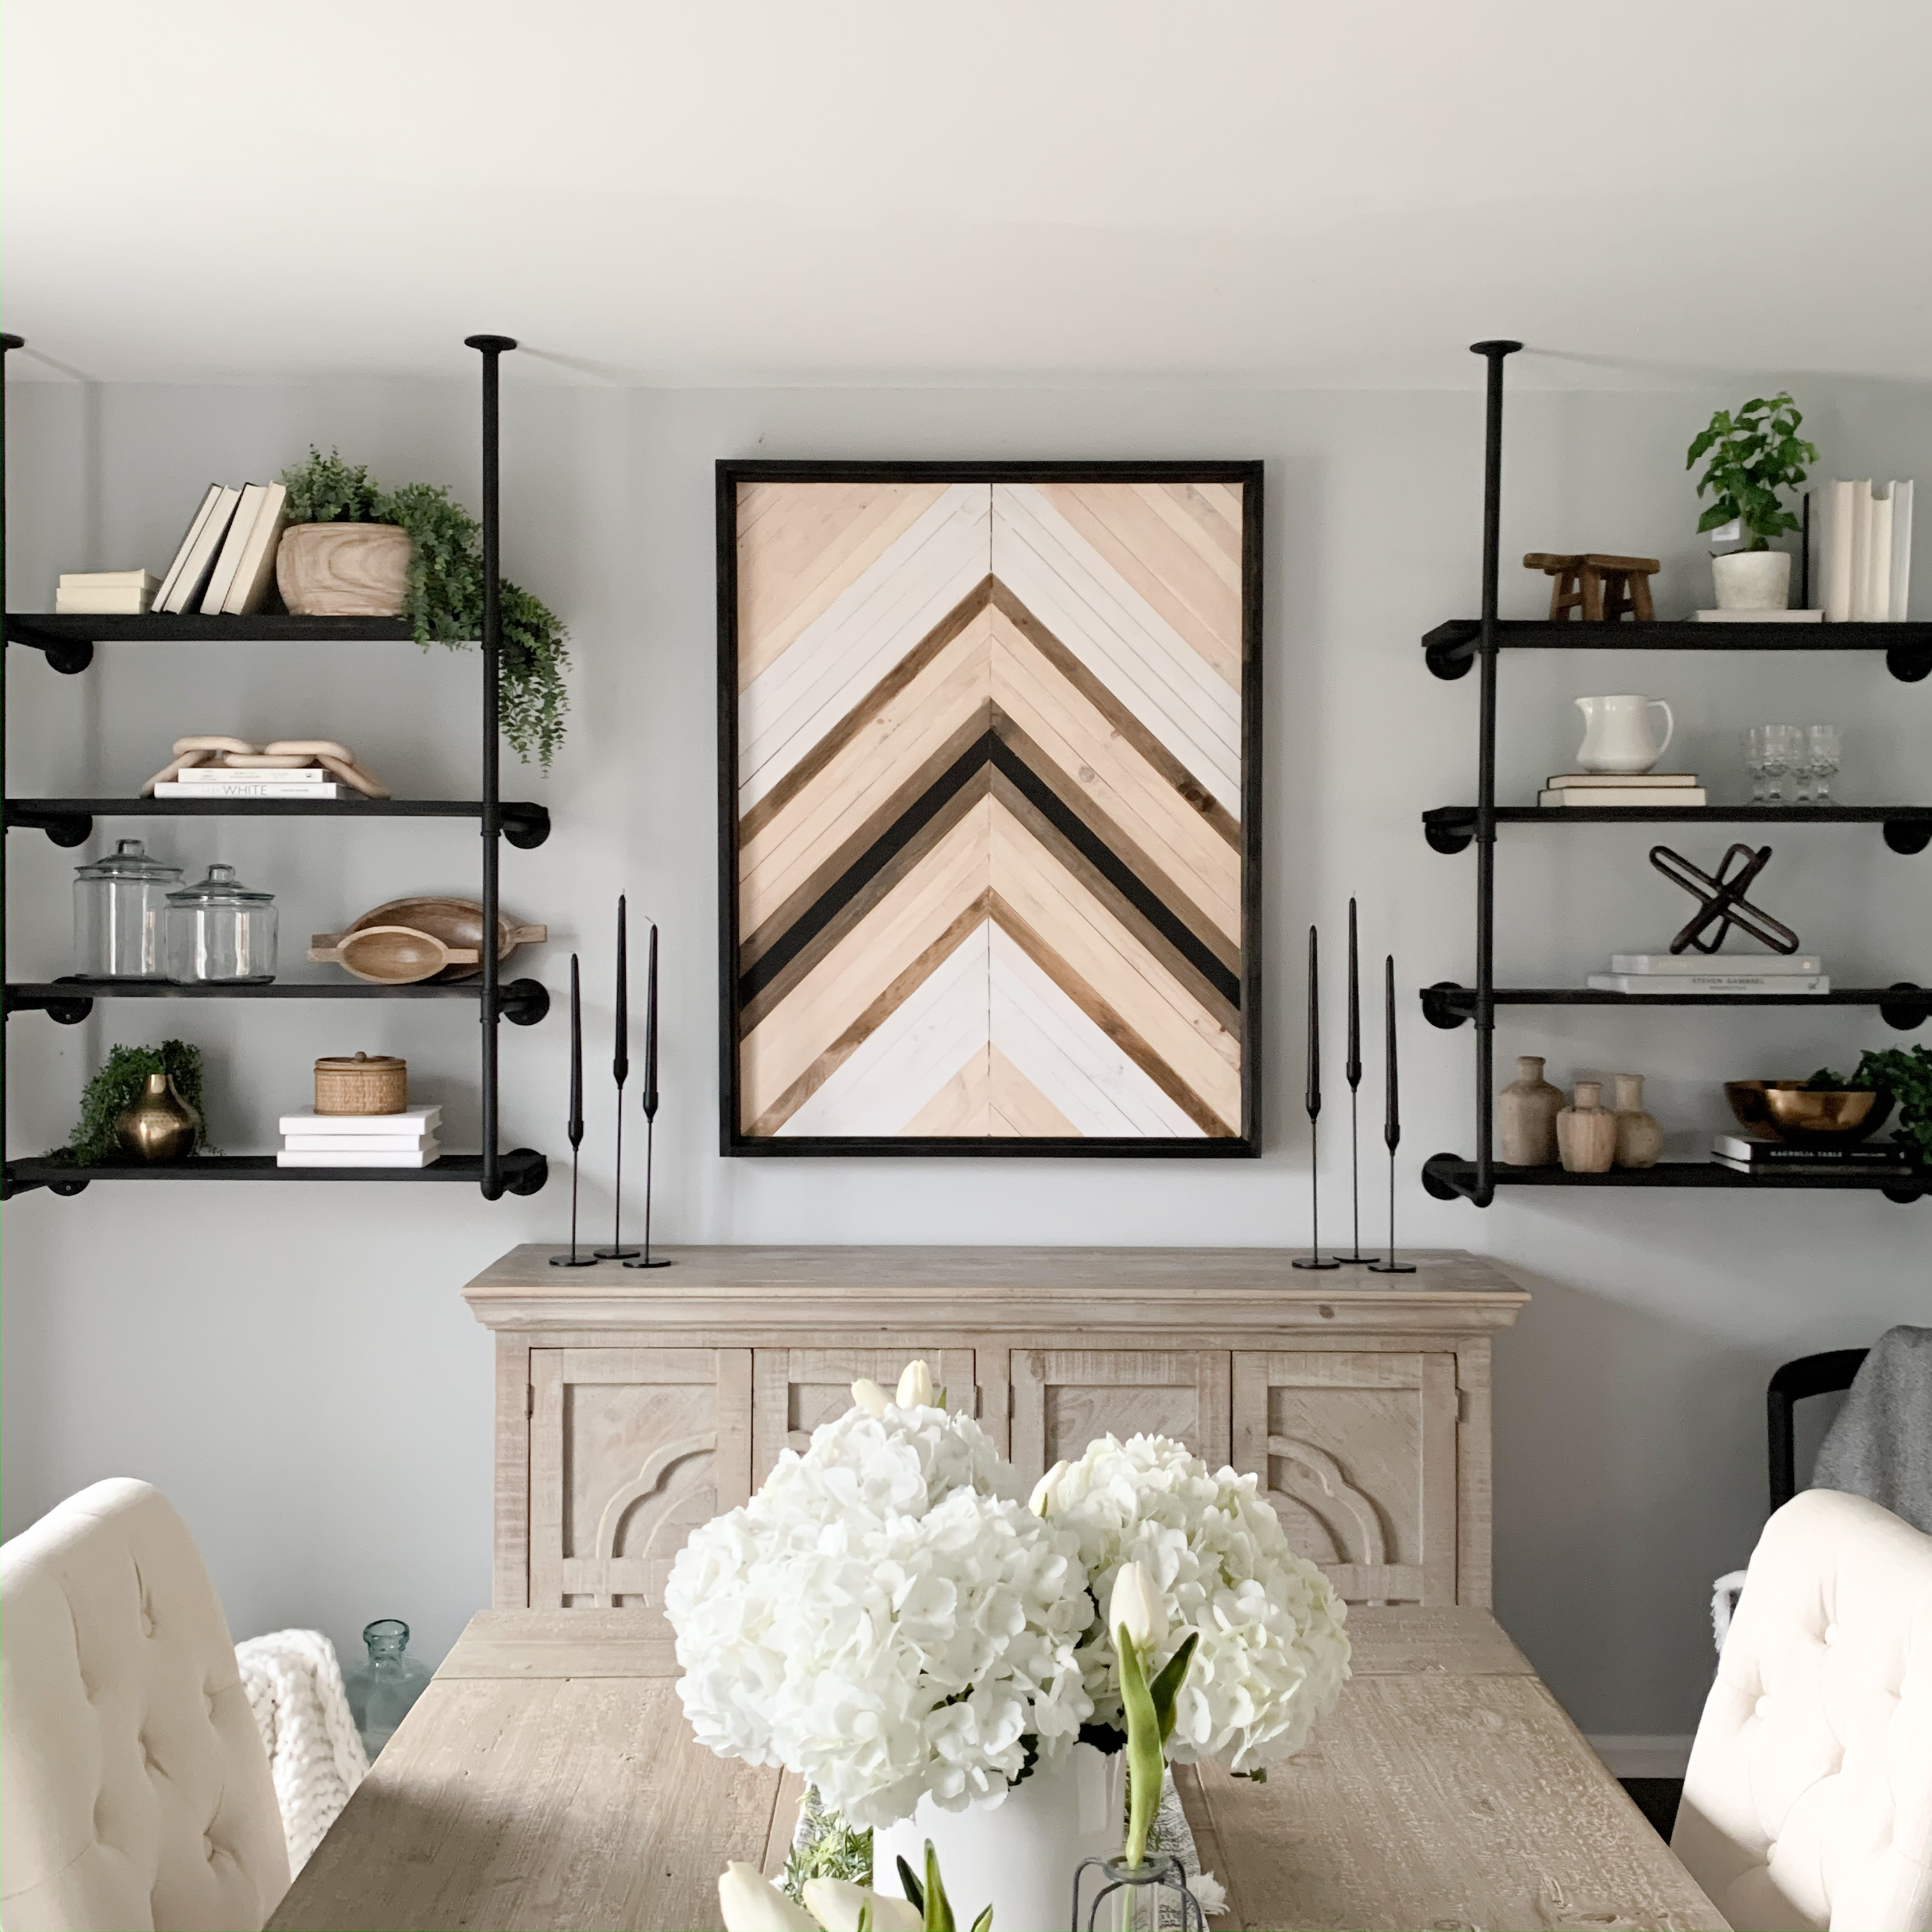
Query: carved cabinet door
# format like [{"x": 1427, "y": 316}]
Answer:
[
  {"x": 1357, "y": 1454},
  {"x": 630, "y": 1449},
  {"x": 1063, "y": 1399},
  {"x": 794, "y": 1390}
]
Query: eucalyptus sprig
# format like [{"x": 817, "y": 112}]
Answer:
[
  {"x": 444, "y": 598},
  {"x": 1754, "y": 454}
]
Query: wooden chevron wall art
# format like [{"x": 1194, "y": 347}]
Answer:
[{"x": 990, "y": 773}]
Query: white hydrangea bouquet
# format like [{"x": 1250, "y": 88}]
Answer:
[{"x": 894, "y": 1619}]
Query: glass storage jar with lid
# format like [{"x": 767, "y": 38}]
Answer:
[
  {"x": 221, "y": 931},
  {"x": 120, "y": 911}
]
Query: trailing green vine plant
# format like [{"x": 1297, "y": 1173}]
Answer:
[
  {"x": 118, "y": 1086},
  {"x": 444, "y": 600},
  {"x": 1906, "y": 1074}
]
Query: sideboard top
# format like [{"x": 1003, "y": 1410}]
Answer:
[{"x": 978, "y": 1287}]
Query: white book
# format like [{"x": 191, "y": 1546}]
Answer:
[
  {"x": 1676, "y": 798},
  {"x": 192, "y": 578},
  {"x": 415, "y": 1157},
  {"x": 1878, "y": 560},
  {"x": 1898, "y": 599},
  {"x": 240, "y": 527},
  {"x": 1816, "y": 616},
  {"x": 1861, "y": 582},
  {"x": 108, "y": 580},
  {"x": 130, "y": 602},
  {"x": 1715, "y": 985},
  {"x": 1635, "y": 781},
  {"x": 1704, "y": 965},
  {"x": 270, "y": 788},
  {"x": 1834, "y": 552},
  {"x": 193, "y": 530},
  {"x": 359, "y": 1143},
  {"x": 256, "y": 569},
  {"x": 309, "y": 1121},
  {"x": 217, "y": 775}
]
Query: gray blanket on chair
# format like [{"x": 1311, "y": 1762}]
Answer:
[{"x": 1880, "y": 1446}]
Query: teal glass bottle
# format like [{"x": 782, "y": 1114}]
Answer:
[{"x": 382, "y": 1690}]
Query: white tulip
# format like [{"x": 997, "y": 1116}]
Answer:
[
  {"x": 751, "y": 1903},
  {"x": 1041, "y": 1501},
  {"x": 867, "y": 1394},
  {"x": 836, "y": 1903},
  {"x": 916, "y": 1386},
  {"x": 1139, "y": 1605}
]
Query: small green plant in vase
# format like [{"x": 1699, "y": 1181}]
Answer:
[
  {"x": 1905, "y": 1072},
  {"x": 1754, "y": 453},
  {"x": 115, "y": 1088}
]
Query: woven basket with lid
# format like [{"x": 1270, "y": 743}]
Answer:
[{"x": 365, "y": 1083}]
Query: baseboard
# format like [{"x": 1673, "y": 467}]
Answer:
[{"x": 1642, "y": 1756}]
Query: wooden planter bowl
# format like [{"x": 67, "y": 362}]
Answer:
[
  {"x": 344, "y": 570},
  {"x": 365, "y": 1083}
]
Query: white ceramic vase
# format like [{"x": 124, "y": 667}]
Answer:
[
  {"x": 1018, "y": 1856},
  {"x": 1753, "y": 579}
]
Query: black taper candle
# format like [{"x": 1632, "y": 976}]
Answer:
[
  {"x": 620, "y": 1071},
  {"x": 647, "y": 1259},
  {"x": 1312, "y": 1100},
  {"x": 1391, "y": 1115},
  {"x": 573, "y": 1127},
  {"x": 1352, "y": 1069}
]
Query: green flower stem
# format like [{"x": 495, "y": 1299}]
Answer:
[{"x": 1146, "y": 1760}]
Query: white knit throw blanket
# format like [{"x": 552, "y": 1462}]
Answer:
[{"x": 294, "y": 1690}]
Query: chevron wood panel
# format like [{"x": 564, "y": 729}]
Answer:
[{"x": 990, "y": 864}]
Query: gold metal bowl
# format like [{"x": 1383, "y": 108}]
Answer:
[{"x": 1788, "y": 1110}]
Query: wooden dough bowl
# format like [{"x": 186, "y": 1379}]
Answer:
[
  {"x": 457, "y": 924},
  {"x": 344, "y": 570}
]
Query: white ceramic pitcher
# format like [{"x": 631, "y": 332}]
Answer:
[{"x": 1617, "y": 736}]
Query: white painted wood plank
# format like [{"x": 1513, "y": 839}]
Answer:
[
  {"x": 838, "y": 657},
  {"x": 910, "y": 1055},
  {"x": 1119, "y": 636},
  {"x": 1061, "y": 1050}
]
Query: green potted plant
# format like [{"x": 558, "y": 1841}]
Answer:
[
  {"x": 1754, "y": 453},
  {"x": 353, "y": 548}
]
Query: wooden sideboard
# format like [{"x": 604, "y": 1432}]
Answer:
[{"x": 631, "y": 1406}]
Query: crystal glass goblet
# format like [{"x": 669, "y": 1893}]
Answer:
[
  {"x": 1822, "y": 745},
  {"x": 1784, "y": 747},
  {"x": 1755, "y": 743}
]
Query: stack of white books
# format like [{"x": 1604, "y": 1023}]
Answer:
[
  {"x": 105, "y": 593},
  {"x": 229, "y": 781},
  {"x": 1671, "y": 790},
  {"x": 1715, "y": 973},
  {"x": 226, "y": 560},
  {"x": 407, "y": 1139}
]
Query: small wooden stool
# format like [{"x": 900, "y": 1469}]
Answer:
[{"x": 1603, "y": 588}]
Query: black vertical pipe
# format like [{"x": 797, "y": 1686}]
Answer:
[
  {"x": 6, "y": 343},
  {"x": 490, "y": 347},
  {"x": 1494, "y": 352}
]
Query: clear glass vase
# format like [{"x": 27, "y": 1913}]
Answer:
[{"x": 382, "y": 1690}]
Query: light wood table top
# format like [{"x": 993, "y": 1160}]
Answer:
[{"x": 546, "y": 1780}]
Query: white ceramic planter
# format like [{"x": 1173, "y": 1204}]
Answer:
[
  {"x": 1020, "y": 1855},
  {"x": 1753, "y": 579}
]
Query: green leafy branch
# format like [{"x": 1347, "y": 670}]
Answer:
[
  {"x": 118, "y": 1085},
  {"x": 1906, "y": 1074},
  {"x": 444, "y": 598},
  {"x": 1754, "y": 454}
]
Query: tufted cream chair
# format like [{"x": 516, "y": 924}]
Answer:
[
  {"x": 1808, "y": 1800},
  {"x": 134, "y": 1791}
]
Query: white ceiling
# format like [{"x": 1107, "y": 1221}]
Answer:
[{"x": 979, "y": 191}]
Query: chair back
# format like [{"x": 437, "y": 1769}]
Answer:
[
  {"x": 134, "y": 1790},
  {"x": 1808, "y": 1803}
]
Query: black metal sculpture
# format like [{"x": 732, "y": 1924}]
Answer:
[{"x": 1721, "y": 900}]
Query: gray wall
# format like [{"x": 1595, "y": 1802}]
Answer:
[{"x": 294, "y": 1365}]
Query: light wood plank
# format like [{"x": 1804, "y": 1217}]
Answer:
[
  {"x": 1473, "y": 1478},
  {"x": 562, "y": 1643},
  {"x": 1438, "y": 1478},
  {"x": 1016, "y": 1106},
  {"x": 510, "y": 1540},
  {"x": 964, "y": 1105}
]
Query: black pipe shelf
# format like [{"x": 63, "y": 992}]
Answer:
[
  {"x": 69, "y": 643},
  {"x": 1451, "y": 648},
  {"x": 520, "y": 1170},
  {"x": 1448, "y": 1176}
]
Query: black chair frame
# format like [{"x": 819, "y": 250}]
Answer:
[{"x": 1809, "y": 1375}]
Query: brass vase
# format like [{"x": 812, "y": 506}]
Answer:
[{"x": 160, "y": 1126}]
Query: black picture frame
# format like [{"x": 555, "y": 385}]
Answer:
[{"x": 1248, "y": 475}]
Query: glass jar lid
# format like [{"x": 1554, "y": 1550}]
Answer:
[
  {"x": 129, "y": 860},
  {"x": 221, "y": 887}
]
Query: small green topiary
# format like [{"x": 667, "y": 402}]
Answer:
[{"x": 118, "y": 1086}]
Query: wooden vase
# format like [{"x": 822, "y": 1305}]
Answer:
[
  {"x": 1586, "y": 1132},
  {"x": 1639, "y": 1138},
  {"x": 344, "y": 570},
  {"x": 1526, "y": 1111}
]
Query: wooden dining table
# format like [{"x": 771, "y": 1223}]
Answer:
[{"x": 547, "y": 1779}]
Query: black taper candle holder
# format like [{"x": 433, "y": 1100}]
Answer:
[
  {"x": 1352, "y": 1068},
  {"x": 1391, "y": 1117},
  {"x": 574, "y": 1127},
  {"x": 620, "y": 1071},
  {"x": 1311, "y": 1100},
  {"x": 647, "y": 1259}
]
